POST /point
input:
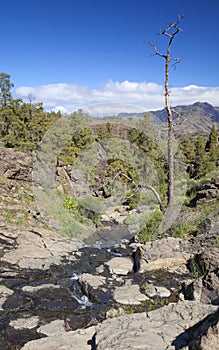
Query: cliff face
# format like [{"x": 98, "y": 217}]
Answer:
[{"x": 16, "y": 198}]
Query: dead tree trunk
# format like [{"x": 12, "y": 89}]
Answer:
[{"x": 170, "y": 32}]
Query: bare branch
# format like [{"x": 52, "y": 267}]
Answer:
[
  {"x": 138, "y": 187},
  {"x": 174, "y": 26},
  {"x": 156, "y": 52}
]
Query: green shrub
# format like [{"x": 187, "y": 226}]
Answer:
[
  {"x": 71, "y": 204},
  {"x": 146, "y": 232},
  {"x": 181, "y": 230}
]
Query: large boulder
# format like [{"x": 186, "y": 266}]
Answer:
[{"x": 161, "y": 254}]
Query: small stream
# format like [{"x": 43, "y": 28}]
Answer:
[
  {"x": 68, "y": 302},
  {"x": 63, "y": 298}
]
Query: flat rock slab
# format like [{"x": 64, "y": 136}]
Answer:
[
  {"x": 120, "y": 265},
  {"x": 48, "y": 291},
  {"x": 95, "y": 287},
  {"x": 129, "y": 295},
  {"x": 53, "y": 328},
  {"x": 78, "y": 340},
  {"x": 87, "y": 280},
  {"x": 161, "y": 329},
  {"x": 157, "y": 291},
  {"x": 39, "y": 249},
  {"x": 155, "y": 330},
  {"x": 25, "y": 323}
]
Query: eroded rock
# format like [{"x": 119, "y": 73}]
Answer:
[
  {"x": 94, "y": 287},
  {"x": 4, "y": 294},
  {"x": 25, "y": 323},
  {"x": 52, "y": 328},
  {"x": 48, "y": 291},
  {"x": 129, "y": 295},
  {"x": 155, "y": 330},
  {"x": 80, "y": 340},
  {"x": 39, "y": 249},
  {"x": 120, "y": 265},
  {"x": 157, "y": 291},
  {"x": 15, "y": 165},
  {"x": 162, "y": 254}
]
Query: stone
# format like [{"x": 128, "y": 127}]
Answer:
[
  {"x": 114, "y": 215},
  {"x": 48, "y": 291},
  {"x": 129, "y": 295},
  {"x": 157, "y": 291},
  {"x": 52, "y": 328},
  {"x": 197, "y": 288},
  {"x": 87, "y": 281},
  {"x": 211, "y": 339},
  {"x": 205, "y": 335},
  {"x": 39, "y": 249},
  {"x": 204, "y": 289},
  {"x": 207, "y": 192},
  {"x": 80, "y": 339},
  {"x": 155, "y": 330},
  {"x": 100, "y": 269},
  {"x": 15, "y": 164},
  {"x": 95, "y": 287},
  {"x": 25, "y": 323},
  {"x": 162, "y": 254},
  {"x": 4, "y": 294},
  {"x": 120, "y": 265},
  {"x": 208, "y": 259}
]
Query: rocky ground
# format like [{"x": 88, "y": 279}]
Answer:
[{"x": 61, "y": 292}]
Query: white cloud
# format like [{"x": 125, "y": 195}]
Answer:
[{"x": 116, "y": 97}]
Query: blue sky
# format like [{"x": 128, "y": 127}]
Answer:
[{"x": 72, "y": 53}]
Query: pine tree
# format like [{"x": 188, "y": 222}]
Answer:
[
  {"x": 5, "y": 89},
  {"x": 212, "y": 149},
  {"x": 5, "y": 103},
  {"x": 200, "y": 161}
]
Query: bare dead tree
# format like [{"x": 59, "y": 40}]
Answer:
[
  {"x": 170, "y": 32},
  {"x": 139, "y": 187}
]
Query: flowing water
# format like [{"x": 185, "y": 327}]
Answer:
[
  {"x": 64, "y": 298},
  {"x": 68, "y": 302}
]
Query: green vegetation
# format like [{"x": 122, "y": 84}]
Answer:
[
  {"x": 18, "y": 217},
  {"x": 8, "y": 216},
  {"x": 71, "y": 204},
  {"x": 145, "y": 287},
  {"x": 115, "y": 312},
  {"x": 79, "y": 141},
  {"x": 151, "y": 227},
  {"x": 22, "y": 124},
  {"x": 105, "y": 131},
  {"x": 201, "y": 154},
  {"x": 180, "y": 230},
  {"x": 143, "y": 136},
  {"x": 25, "y": 197},
  {"x": 197, "y": 216},
  {"x": 196, "y": 269}
]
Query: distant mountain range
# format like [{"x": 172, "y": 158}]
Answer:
[{"x": 192, "y": 119}]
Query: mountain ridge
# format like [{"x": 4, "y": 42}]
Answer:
[{"x": 193, "y": 118}]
